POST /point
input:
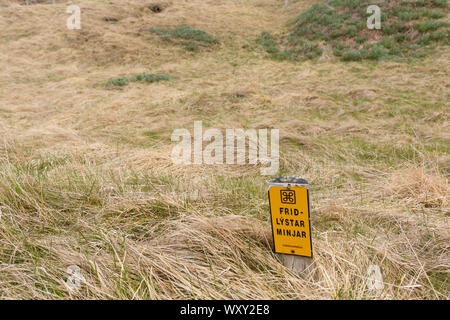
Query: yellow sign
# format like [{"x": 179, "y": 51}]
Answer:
[{"x": 289, "y": 211}]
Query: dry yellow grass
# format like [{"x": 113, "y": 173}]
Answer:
[{"x": 86, "y": 177}]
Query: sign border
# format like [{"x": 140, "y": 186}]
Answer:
[{"x": 287, "y": 185}]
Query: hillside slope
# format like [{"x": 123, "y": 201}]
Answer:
[{"x": 406, "y": 30}]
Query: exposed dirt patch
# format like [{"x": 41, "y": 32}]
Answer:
[
  {"x": 157, "y": 7},
  {"x": 111, "y": 19}
]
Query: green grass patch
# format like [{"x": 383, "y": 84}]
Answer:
[
  {"x": 187, "y": 36},
  {"x": 406, "y": 28},
  {"x": 147, "y": 77},
  {"x": 428, "y": 26}
]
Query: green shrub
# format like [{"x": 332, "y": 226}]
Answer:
[
  {"x": 148, "y": 77},
  {"x": 190, "y": 45},
  {"x": 420, "y": 54},
  {"x": 350, "y": 31},
  {"x": 314, "y": 52},
  {"x": 120, "y": 81},
  {"x": 388, "y": 42},
  {"x": 192, "y": 38},
  {"x": 430, "y": 26},
  {"x": 269, "y": 43},
  {"x": 395, "y": 51},
  {"x": 286, "y": 55},
  {"x": 440, "y": 3},
  {"x": 437, "y": 15},
  {"x": 424, "y": 40},
  {"x": 337, "y": 52},
  {"x": 351, "y": 55},
  {"x": 437, "y": 36},
  {"x": 388, "y": 30},
  {"x": 400, "y": 37},
  {"x": 362, "y": 38},
  {"x": 188, "y": 33},
  {"x": 377, "y": 52}
]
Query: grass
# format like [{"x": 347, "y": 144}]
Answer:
[
  {"x": 86, "y": 176},
  {"x": 193, "y": 38},
  {"x": 341, "y": 26},
  {"x": 147, "y": 77}
]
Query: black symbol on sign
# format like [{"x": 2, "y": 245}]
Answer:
[{"x": 288, "y": 196}]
